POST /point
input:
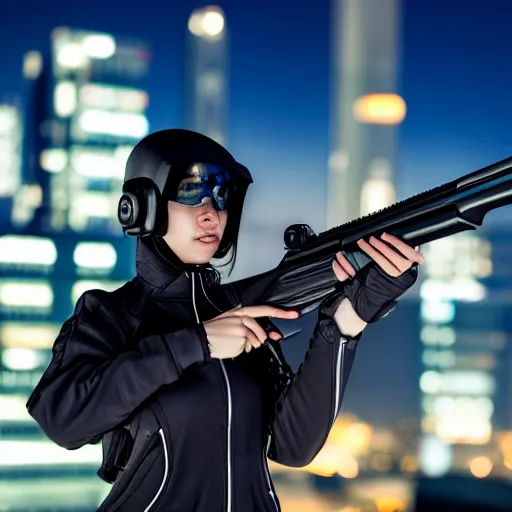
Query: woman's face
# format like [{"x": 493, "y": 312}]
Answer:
[{"x": 194, "y": 233}]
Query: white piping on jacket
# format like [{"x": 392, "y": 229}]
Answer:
[
  {"x": 228, "y": 387},
  {"x": 338, "y": 378},
  {"x": 267, "y": 474},
  {"x": 166, "y": 471}
]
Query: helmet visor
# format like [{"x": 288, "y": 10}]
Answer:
[{"x": 199, "y": 181}]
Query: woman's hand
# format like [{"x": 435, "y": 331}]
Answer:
[
  {"x": 235, "y": 330},
  {"x": 375, "y": 286},
  {"x": 393, "y": 262}
]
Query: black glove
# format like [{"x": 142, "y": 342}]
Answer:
[{"x": 373, "y": 292}]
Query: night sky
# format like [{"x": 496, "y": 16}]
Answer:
[{"x": 456, "y": 76}]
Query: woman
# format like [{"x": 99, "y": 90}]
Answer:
[{"x": 186, "y": 389}]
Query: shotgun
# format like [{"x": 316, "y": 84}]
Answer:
[{"x": 304, "y": 277}]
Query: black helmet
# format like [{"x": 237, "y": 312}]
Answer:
[{"x": 142, "y": 209}]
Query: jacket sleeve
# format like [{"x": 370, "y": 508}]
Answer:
[
  {"x": 307, "y": 406},
  {"x": 94, "y": 381}
]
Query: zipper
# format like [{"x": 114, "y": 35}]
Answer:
[
  {"x": 228, "y": 389},
  {"x": 166, "y": 472},
  {"x": 267, "y": 474}
]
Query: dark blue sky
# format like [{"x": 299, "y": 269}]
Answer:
[{"x": 456, "y": 76}]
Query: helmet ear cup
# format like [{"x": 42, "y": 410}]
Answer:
[
  {"x": 128, "y": 210},
  {"x": 139, "y": 208}
]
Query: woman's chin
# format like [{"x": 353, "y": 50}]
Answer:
[{"x": 204, "y": 252}]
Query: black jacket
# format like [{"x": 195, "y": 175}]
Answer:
[{"x": 182, "y": 432}]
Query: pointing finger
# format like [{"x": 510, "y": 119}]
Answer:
[{"x": 261, "y": 311}]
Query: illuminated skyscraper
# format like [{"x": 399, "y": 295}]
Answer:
[
  {"x": 10, "y": 149},
  {"x": 206, "y": 88},
  {"x": 96, "y": 112},
  {"x": 84, "y": 111},
  {"x": 365, "y": 107},
  {"x": 464, "y": 340},
  {"x": 10, "y": 158}
]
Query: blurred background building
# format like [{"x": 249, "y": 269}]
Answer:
[
  {"x": 445, "y": 351},
  {"x": 11, "y": 134},
  {"x": 84, "y": 111},
  {"x": 365, "y": 107},
  {"x": 206, "y": 74},
  {"x": 465, "y": 353}
]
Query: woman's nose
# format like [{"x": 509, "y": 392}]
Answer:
[{"x": 209, "y": 216}]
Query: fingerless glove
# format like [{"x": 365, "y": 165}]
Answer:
[{"x": 373, "y": 292}]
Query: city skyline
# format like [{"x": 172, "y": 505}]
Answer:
[
  {"x": 414, "y": 367},
  {"x": 301, "y": 203},
  {"x": 454, "y": 85}
]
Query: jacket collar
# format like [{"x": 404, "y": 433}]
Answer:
[{"x": 162, "y": 271}]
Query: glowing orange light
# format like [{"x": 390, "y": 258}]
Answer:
[
  {"x": 380, "y": 109},
  {"x": 505, "y": 444},
  {"x": 325, "y": 463},
  {"x": 409, "y": 464},
  {"x": 348, "y": 469},
  {"x": 480, "y": 466},
  {"x": 389, "y": 504}
]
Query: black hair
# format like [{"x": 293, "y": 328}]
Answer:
[{"x": 229, "y": 242}]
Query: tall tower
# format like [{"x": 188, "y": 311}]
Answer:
[
  {"x": 206, "y": 74},
  {"x": 365, "y": 107}
]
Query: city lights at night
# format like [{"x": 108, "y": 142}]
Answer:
[{"x": 339, "y": 109}]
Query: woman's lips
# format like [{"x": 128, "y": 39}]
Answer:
[{"x": 209, "y": 239}]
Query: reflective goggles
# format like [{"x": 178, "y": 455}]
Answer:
[{"x": 201, "y": 180}]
